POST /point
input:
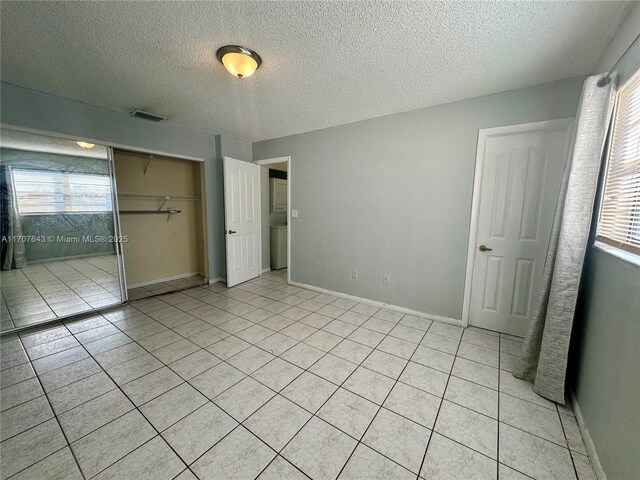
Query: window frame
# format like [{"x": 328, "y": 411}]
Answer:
[
  {"x": 21, "y": 213},
  {"x": 624, "y": 251}
]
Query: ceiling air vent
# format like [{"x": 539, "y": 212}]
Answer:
[{"x": 147, "y": 115}]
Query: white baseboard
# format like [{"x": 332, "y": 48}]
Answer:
[
  {"x": 265, "y": 270},
  {"x": 586, "y": 436},
  {"x": 166, "y": 279},
  {"x": 438, "y": 318}
]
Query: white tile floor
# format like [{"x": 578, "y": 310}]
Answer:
[
  {"x": 56, "y": 289},
  {"x": 271, "y": 381}
]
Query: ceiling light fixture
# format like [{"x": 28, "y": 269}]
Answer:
[
  {"x": 85, "y": 144},
  {"x": 239, "y": 61}
]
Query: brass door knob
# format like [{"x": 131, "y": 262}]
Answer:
[
  {"x": 231, "y": 231},
  {"x": 484, "y": 248}
]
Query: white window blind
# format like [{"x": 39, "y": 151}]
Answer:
[
  {"x": 47, "y": 191},
  {"x": 619, "y": 223}
]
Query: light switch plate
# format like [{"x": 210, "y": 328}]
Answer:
[{"x": 294, "y": 213}]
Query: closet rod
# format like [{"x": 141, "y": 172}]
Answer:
[
  {"x": 145, "y": 196},
  {"x": 151, "y": 211},
  {"x": 606, "y": 78}
]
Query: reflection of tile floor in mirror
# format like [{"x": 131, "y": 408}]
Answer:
[
  {"x": 273, "y": 380},
  {"x": 54, "y": 289}
]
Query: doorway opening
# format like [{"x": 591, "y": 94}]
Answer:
[
  {"x": 160, "y": 201},
  {"x": 275, "y": 180}
]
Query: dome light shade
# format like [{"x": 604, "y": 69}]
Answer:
[
  {"x": 85, "y": 144},
  {"x": 239, "y": 61}
]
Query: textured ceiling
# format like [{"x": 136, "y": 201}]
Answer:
[
  {"x": 325, "y": 63},
  {"x": 19, "y": 140}
]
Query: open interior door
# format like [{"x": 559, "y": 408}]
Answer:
[{"x": 242, "y": 220}]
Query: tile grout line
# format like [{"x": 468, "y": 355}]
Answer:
[
  {"x": 66, "y": 285},
  {"x": 64, "y": 435},
  {"x": 304, "y": 370},
  {"x": 564, "y": 432},
  {"x": 210, "y": 401},
  {"x": 359, "y": 441},
  {"x": 313, "y": 414},
  {"x": 276, "y": 356},
  {"x": 184, "y": 381},
  {"x": 435, "y": 421},
  {"x": 161, "y": 361},
  {"x": 135, "y": 407},
  {"x": 250, "y": 344},
  {"x": 273, "y": 460},
  {"x": 498, "y": 429},
  {"x": 277, "y": 393},
  {"x": 62, "y": 282},
  {"x": 151, "y": 352},
  {"x": 45, "y": 393},
  {"x": 164, "y": 365},
  {"x": 340, "y": 386},
  {"x": 41, "y": 297},
  {"x": 6, "y": 305},
  {"x": 389, "y": 334},
  {"x": 81, "y": 273},
  {"x": 240, "y": 424},
  {"x": 380, "y": 407}
]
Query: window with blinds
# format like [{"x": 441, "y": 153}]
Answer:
[
  {"x": 619, "y": 222},
  {"x": 47, "y": 191}
]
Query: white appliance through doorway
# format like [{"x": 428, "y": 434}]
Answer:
[
  {"x": 242, "y": 220},
  {"x": 277, "y": 195},
  {"x": 517, "y": 181}
]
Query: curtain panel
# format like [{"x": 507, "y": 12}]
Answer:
[{"x": 545, "y": 350}]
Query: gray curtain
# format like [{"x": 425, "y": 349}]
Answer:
[
  {"x": 546, "y": 346},
  {"x": 14, "y": 256}
]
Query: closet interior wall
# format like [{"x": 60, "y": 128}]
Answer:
[{"x": 161, "y": 214}]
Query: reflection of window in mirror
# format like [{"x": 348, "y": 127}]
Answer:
[
  {"x": 43, "y": 191},
  {"x": 57, "y": 226}
]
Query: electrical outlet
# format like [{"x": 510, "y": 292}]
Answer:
[
  {"x": 354, "y": 274},
  {"x": 294, "y": 213},
  {"x": 385, "y": 278}
]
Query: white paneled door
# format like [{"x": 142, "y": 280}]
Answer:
[
  {"x": 515, "y": 197},
  {"x": 242, "y": 220}
]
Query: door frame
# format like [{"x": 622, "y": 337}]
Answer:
[
  {"x": 483, "y": 135},
  {"x": 270, "y": 161}
]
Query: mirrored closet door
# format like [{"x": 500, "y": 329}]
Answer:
[{"x": 59, "y": 229}]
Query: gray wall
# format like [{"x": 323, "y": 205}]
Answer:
[
  {"x": 606, "y": 347},
  {"x": 26, "y": 108},
  {"x": 606, "y": 352},
  {"x": 393, "y": 195}
]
